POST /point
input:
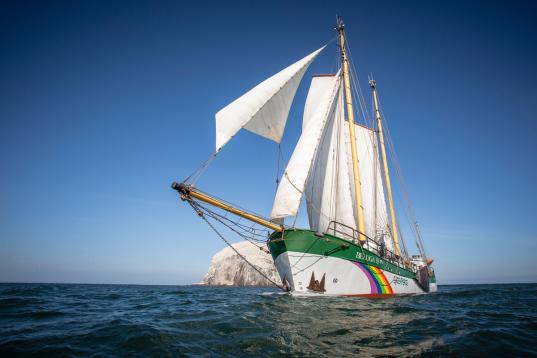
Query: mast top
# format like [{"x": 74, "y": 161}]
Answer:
[{"x": 340, "y": 25}]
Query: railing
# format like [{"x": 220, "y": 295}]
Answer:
[{"x": 348, "y": 232}]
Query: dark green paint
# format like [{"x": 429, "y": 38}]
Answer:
[{"x": 328, "y": 245}]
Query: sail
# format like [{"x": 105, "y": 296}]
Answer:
[
  {"x": 320, "y": 84},
  {"x": 375, "y": 213},
  {"x": 290, "y": 189},
  {"x": 328, "y": 192},
  {"x": 373, "y": 200},
  {"x": 264, "y": 109}
]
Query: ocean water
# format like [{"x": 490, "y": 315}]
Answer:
[{"x": 124, "y": 320}]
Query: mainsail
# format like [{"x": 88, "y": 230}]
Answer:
[
  {"x": 264, "y": 109},
  {"x": 375, "y": 213}
]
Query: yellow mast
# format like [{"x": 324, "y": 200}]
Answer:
[
  {"x": 354, "y": 150},
  {"x": 395, "y": 235}
]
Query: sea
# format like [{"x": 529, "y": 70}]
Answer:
[{"x": 75, "y": 320}]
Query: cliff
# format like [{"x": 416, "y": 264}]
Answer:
[{"x": 228, "y": 268}]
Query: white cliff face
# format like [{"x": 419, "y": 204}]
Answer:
[{"x": 228, "y": 268}]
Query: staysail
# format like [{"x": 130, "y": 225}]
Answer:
[
  {"x": 264, "y": 109},
  {"x": 291, "y": 187}
]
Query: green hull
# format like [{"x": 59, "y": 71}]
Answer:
[{"x": 307, "y": 242}]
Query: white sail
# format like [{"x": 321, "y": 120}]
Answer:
[
  {"x": 328, "y": 192},
  {"x": 320, "y": 84},
  {"x": 264, "y": 109},
  {"x": 373, "y": 202},
  {"x": 291, "y": 187}
]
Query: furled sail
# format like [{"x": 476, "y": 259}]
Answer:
[
  {"x": 290, "y": 189},
  {"x": 264, "y": 109}
]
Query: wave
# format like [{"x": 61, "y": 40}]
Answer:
[{"x": 200, "y": 320}]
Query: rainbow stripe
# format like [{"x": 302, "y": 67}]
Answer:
[{"x": 378, "y": 282}]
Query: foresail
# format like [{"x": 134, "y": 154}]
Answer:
[
  {"x": 291, "y": 187},
  {"x": 264, "y": 109}
]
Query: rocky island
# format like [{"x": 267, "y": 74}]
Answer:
[{"x": 228, "y": 268}]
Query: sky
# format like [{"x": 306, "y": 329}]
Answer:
[{"x": 104, "y": 103}]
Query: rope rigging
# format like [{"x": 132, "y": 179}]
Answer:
[
  {"x": 256, "y": 236},
  {"x": 196, "y": 175},
  {"x": 409, "y": 208},
  {"x": 206, "y": 213},
  {"x": 357, "y": 89}
]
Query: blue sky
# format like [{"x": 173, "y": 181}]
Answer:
[{"x": 104, "y": 104}]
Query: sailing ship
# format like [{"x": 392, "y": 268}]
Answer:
[{"x": 354, "y": 245}]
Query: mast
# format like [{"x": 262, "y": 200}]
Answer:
[
  {"x": 354, "y": 150},
  {"x": 395, "y": 234}
]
